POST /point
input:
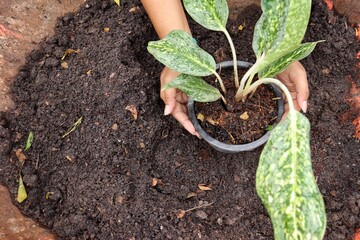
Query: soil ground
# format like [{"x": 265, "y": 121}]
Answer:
[{"x": 96, "y": 183}]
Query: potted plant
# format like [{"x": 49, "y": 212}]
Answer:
[{"x": 284, "y": 179}]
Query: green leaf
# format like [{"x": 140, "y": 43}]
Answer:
[
  {"x": 211, "y": 14},
  {"x": 194, "y": 87},
  {"x": 22, "y": 195},
  {"x": 179, "y": 52},
  {"x": 117, "y": 2},
  {"x": 281, "y": 28},
  {"x": 29, "y": 141},
  {"x": 270, "y": 28},
  {"x": 286, "y": 184},
  {"x": 281, "y": 64}
]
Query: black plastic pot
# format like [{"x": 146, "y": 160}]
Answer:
[{"x": 231, "y": 148}]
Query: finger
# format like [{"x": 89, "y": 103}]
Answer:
[
  {"x": 169, "y": 98},
  {"x": 181, "y": 116},
  {"x": 181, "y": 97},
  {"x": 300, "y": 81}
]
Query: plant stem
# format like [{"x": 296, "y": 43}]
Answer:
[
  {"x": 232, "y": 47},
  {"x": 220, "y": 81},
  {"x": 278, "y": 83},
  {"x": 248, "y": 76}
]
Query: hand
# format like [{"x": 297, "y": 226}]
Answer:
[
  {"x": 295, "y": 79},
  {"x": 175, "y": 101}
]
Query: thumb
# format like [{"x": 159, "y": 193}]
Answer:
[{"x": 169, "y": 98}]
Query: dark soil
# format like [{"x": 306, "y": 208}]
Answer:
[
  {"x": 238, "y": 122},
  {"x": 96, "y": 183}
]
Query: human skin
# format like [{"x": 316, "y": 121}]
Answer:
[{"x": 169, "y": 15}]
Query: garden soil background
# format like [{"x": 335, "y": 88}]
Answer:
[{"x": 117, "y": 177}]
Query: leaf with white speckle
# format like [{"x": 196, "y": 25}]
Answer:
[
  {"x": 179, "y": 52},
  {"x": 286, "y": 184},
  {"x": 211, "y": 14},
  {"x": 195, "y": 87}
]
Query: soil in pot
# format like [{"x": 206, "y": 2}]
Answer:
[
  {"x": 238, "y": 122},
  {"x": 115, "y": 177}
]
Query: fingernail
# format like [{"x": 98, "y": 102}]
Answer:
[
  {"x": 198, "y": 135},
  {"x": 167, "y": 110},
  {"x": 304, "y": 106}
]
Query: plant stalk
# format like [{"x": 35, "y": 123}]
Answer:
[
  {"x": 248, "y": 76},
  {"x": 232, "y": 47},
  {"x": 220, "y": 82},
  {"x": 278, "y": 83}
]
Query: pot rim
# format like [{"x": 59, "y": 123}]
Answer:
[{"x": 234, "y": 148}]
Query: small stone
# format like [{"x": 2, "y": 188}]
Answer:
[
  {"x": 119, "y": 199},
  {"x": 114, "y": 127},
  {"x": 201, "y": 214}
]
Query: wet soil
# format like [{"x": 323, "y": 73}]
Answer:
[{"x": 117, "y": 177}]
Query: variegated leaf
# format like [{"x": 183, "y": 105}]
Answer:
[
  {"x": 194, "y": 87},
  {"x": 211, "y": 14},
  {"x": 289, "y": 30},
  {"x": 179, "y": 52},
  {"x": 286, "y": 184},
  {"x": 281, "y": 64},
  {"x": 270, "y": 28}
]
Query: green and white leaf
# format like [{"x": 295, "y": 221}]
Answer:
[
  {"x": 285, "y": 32},
  {"x": 194, "y": 87},
  {"x": 286, "y": 184},
  {"x": 270, "y": 28},
  {"x": 22, "y": 195},
  {"x": 179, "y": 52},
  {"x": 281, "y": 64},
  {"x": 211, "y": 14}
]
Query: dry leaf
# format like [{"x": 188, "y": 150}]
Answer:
[
  {"x": 191, "y": 195},
  {"x": 203, "y": 187},
  {"x": 132, "y": 109},
  {"x": 114, "y": 127},
  {"x": 20, "y": 155},
  {"x": 142, "y": 145},
  {"x": 64, "y": 65},
  {"x": 106, "y": 29},
  {"x": 212, "y": 121},
  {"x": 69, "y": 51},
  {"x": 69, "y": 158},
  {"x": 244, "y": 116},
  {"x": 89, "y": 72},
  {"x": 22, "y": 195},
  {"x": 180, "y": 213},
  {"x": 231, "y": 138},
  {"x": 241, "y": 26},
  {"x": 154, "y": 182},
  {"x": 200, "y": 116},
  {"x": 134, "y": 9}
]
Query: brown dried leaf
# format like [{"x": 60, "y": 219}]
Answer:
[
  {"x": 134, "y": 9},
  {"x": 203, "y": 187},
  {"x": 69, "y": 51},
  {"x": 64, "y": 65},
  {"x": 180, "y": 213},
  {"x": 106, "y": 29},
  {"x": 191, "y": 195},
  {"x": 210, "y": 120},
  {"x": 132, "y": 109},
  {"x": 20, "y": 155},
  {"x": 200, "y": 117},
  {"x": 244, "y": 116}
]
